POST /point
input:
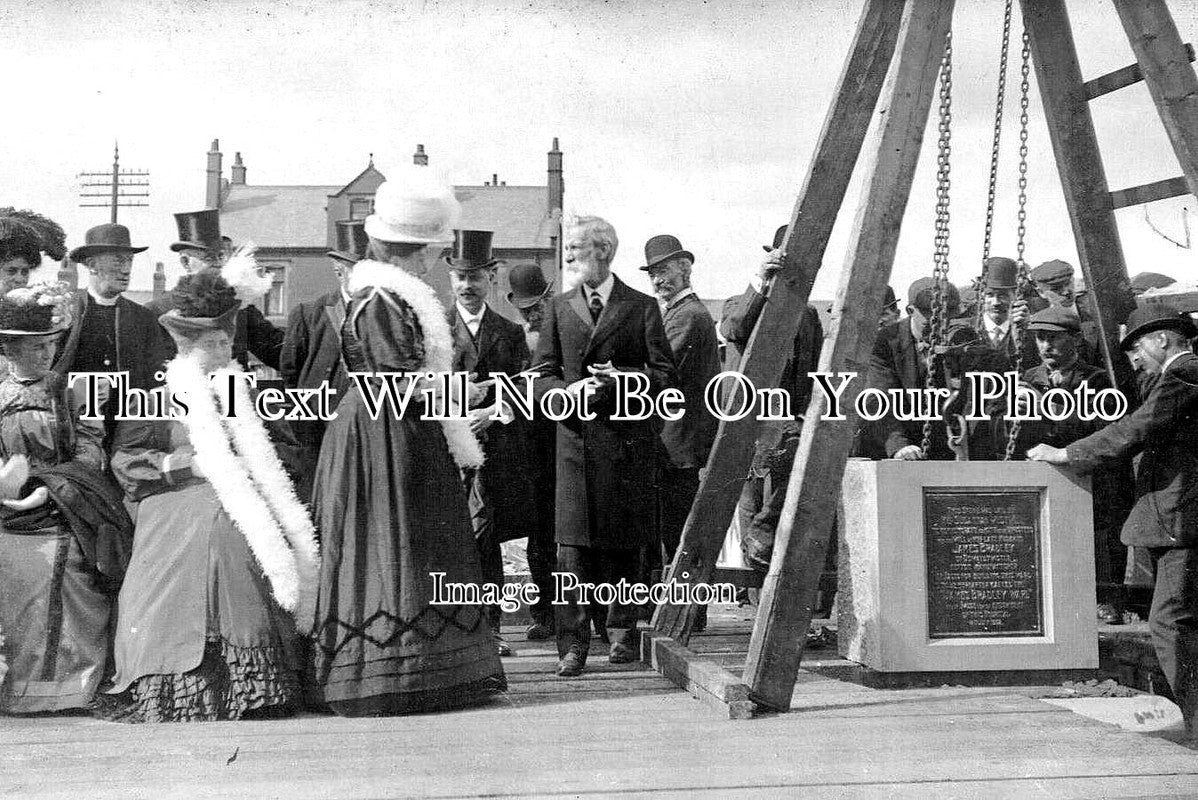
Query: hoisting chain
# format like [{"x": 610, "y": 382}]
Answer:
[
  {"x": 1021, "y": 230},
  {"x": 940, "y": 259},
  {"x": 992, "y": 188}
]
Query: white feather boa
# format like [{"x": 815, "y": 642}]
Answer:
[
  {"x": 239, "y": 461},
  {"x": 438, "y": 342}
]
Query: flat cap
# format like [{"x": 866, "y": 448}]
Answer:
[
  {"x": 1053, "y": 270},
  {"x": 1054, "y": 318},
  {"x": 1150, "y": 280},
  {"x": 924, "y": 289}
]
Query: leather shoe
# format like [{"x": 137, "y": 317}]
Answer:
[
  {"x": 502, "y": 647},
  {"x": 538, "y": 632},
  {"x": 570, "y": 665},
  {"x": 621, "y": 654}
]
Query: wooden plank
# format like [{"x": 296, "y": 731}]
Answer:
[
  {"x": 1121, "y": 78},
  {"x": 1149, "y": 192},
  {"x": 1169, "y": 76},
  {"x": 801, "y": 539},
  {"x": 707, "y": 681},
  {"x": 1083, "y": 178},
  {"x": 765, "y": 354}
]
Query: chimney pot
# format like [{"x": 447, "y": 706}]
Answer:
[
  {"x": 420, "y": 158},
  {"x": 494, "y": 178}
]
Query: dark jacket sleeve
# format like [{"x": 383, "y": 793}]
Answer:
[
  {"x": 548, "y": 358},
  {"x": 263, "y": 339},
  {"x": 140, "y": 461},
  {"x": 294, "y": 353},
  {"x": 659, "y": 362},
  {"x": 740, "y": 316},
  {"x": 883, "y": 376}
]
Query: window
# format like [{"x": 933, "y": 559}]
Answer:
[
  {"x": 361, "y": 207},
  {"x": 274, "y": 304}
]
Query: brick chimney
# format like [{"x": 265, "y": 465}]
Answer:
[
  {"x": 159, "y": 279},
  {"x": 557, "y": 185},
  {"x": 213, "y": 185},
  {"x": 238, "y": 171},
  {"x": 419, "y": 158}
]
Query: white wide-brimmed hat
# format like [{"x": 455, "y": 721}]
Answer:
[{"x": 413, "y": 205}]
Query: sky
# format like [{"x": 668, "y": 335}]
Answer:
[{"x": 691, "y": 118}]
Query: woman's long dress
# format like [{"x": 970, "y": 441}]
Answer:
[
  {"x": 391, "y": 510},
  {"x": 54, "y": 613},
  {"x": 199, "y": 635}
]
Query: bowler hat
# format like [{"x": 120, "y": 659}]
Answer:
[
  {"x": 198, "y": 230},
  {"x": 1149, "y": 320},
  {"x": 923, "y": 290},
  {"x": 528, "y": 285},
  {"x": 889, "y": 300},
  {"x": 107, "y": 238},
  {"x": 779, "y": 235},
  {"x": 413, "y": 206},
  {"x": 1050, "y": 271},
  {"x": 471, "y": 251},
  {"x": 351, "y": 241},
  {"x": 1150, "y": 280},
  {"x": 1001, "y": 273},
  {"x": 1054, "y": 318},
  {"x": 661, "y": 249}
]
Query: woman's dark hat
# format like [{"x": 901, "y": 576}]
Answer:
[
  {"x": 187, "y": 329},
  {"x": 107, "y": 238},
  {"x": 471, "y": 251},
  {"x": 26, "y": 317},
  {"x": 198, "y": 230},
  {"x": 779, "y": 235},
  {"x": 528, "y": 284},
  {"x": 351, "y": 241},
  {"x": 661, "y": 249},
  {"x": 1144, "y": 321}
]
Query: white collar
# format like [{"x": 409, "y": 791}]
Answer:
[
  {"x": 603, "y": 289},
  {"x": 992, "y": 326},
  {"x": 467, "y": 317},
  {"x": 679, "y": 297},
  {"x": 102, "y": 301}
]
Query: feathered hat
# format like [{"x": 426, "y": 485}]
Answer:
[
  {"x": 40, "y": 310},
  {"x": 204, "y": 301}
]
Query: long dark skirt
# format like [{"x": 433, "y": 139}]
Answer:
[{"x": 391, "y": 509}]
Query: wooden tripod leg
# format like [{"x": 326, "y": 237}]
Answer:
[
  {"x": 801, "y": 541},
  {"x": 1083, "y": 178},
  {"x": 1169, "y": 74},
  {"x": 766, "y": 353}
]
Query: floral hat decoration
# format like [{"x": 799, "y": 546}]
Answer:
[{"x": 39, "y": 310}]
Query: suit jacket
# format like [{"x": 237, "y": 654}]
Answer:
[
  {"x": 1162, "y": 435},
  {"x": 691, "y": 333},
  {"x": 506, "y": 480},
  {"x": 739, "y": 317},
  {"x": 311, "y": 350},
  {"x": 141, "y": 343},
  {"x": 254, "y": 334},
  {"x": 605, "y": 493}
]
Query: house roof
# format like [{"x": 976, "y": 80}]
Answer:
[{"x": 295, "y": 216}]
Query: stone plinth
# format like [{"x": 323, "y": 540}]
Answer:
[{"x": 963, "y": 566}]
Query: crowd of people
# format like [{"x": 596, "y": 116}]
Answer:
[{"x": 217, "y": 567}]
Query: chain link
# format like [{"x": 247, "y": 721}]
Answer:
[
  {"x": 1021, "y": 230},
  {"x": 979, "y": 284},
  {"x": 940, "y": 257}
]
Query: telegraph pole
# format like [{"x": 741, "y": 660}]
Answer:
[{"x": 115, "y": 185}]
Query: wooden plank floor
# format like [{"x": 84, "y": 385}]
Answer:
[{"x": 615, "y": 731}]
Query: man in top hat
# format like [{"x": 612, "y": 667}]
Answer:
[
  {"x": 311, "y": 352},
  {"x": 1162, "y": 435},
  {"x": 605, "y": 468},
  {"x": 529, "y": 295},
  {"x": 109, "y": 332},
  {"x": 764, "y": 492},
  {"x": 484, "y": 342},
  {"x": 693, "y": 341},
  {"x": 201, "y": 246}
]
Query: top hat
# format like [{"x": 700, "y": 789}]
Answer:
[
  {"x": 413, "y": 206},
  {"x": 351, "y": 241},
  {"x": 107, "y": 238},
  {"x": 1001, "y": 273},
  {"x": 471, "y": 251},
  {"x": 1150, "y": 280},
  {"x": 923, "y": 290},
  {"x": 528, "y": 285},
  {"x": 1149, "y": 320},
  {"x": 1051, "y": 271},
  {"x": 1054, "y": 318},
  {"x": 779, "y": 235},
  {"x": 198, "y": 230},
  {"x": 661, "y": 249}
]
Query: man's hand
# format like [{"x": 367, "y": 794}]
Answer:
[
  {"x": 578, "y": 387},
  {"x": 770, "y": 265},
  {"x": 911, "y": 452},
  {"x": 36, "y": 498},
  {"x": 1048, "y": 454},
  {"x": 1019, "y": 312},
  {"x": 602, "y": 373},
  {"x": 476, "y": 392}
]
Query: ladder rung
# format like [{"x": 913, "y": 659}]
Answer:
[
  {"x": 1120, "y": 78},
  {"x": 1149, "y": 192}
]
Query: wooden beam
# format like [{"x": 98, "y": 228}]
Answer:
[
  {"x": 801, "y": 540},
  {"x": 1121, "y": 78},
  {"x": 1170, "y": 77},
  {"x": 772, "y": 342},
  {"x": 717, "y": 687},
  {"x": 1149, "y": 192},
  {"x": 1083, "y": 179}
]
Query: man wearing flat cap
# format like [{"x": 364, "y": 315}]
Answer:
[
  {"x": 1054, "y": 282},
  {"x": 485, "y": 342},
  {"x": 109, "y": 332},
  {"x": 311, "y": 352},
  {"x": 1144, "y": 281},
  {"x": 1162, "y": 436},
  {"x": 765, "y": 490}
]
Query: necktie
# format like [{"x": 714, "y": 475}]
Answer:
[
  {"x": 996, "y": 337},
  {"x": 596, "y": 307},
  {"x": 1056, "y": 377}
]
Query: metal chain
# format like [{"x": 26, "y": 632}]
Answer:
[
  {"x": 940, "y": 258},
  {"x": 991, "y": 191},
  {"x": 1021, "y": 230}
]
